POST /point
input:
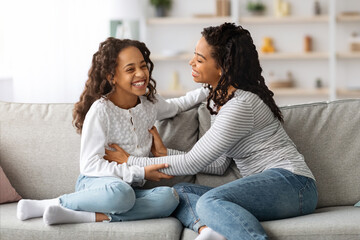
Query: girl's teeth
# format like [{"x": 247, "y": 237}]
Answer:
[{"x": 138, "y": 84}]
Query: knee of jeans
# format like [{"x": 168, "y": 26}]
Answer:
[
  {"x": 170, "y": 198},
  {"x": 121, "y": 198},
  {"x": 204, "y": 203}
]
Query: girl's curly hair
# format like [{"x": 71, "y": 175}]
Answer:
[
  {"x": 102, "y": 72},
  {"x": 235, "y": 53}
]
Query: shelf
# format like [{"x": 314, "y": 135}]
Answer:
[
  {"x": 296, "y": 56},
  {"x": 187, "y": 20},
  {"x": 172, "y": 93},
  {"x": 348, "y": 18},
  {"x": 262, "y": 56},
  {"x": 179, "y": 57},
  {"x": 282, "y": 92},
  {"x": 303, "y": 92},
  {"x": 242, "y": 20},
  {"x": 348, "y": 55},
  {"x": 348, "y": 93},
  {"x": 290, "y": 19}
]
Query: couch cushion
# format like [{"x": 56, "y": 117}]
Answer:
[
  {"x": 333, "y": 223},
  {"x": 180, "y": 133},
  {"x": 327, "y": 134},
  {"x": 12, "y": 228},
  {"x": 39, "y": 148}
]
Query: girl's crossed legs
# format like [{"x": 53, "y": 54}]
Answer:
[{"x": 108, "y": 195}]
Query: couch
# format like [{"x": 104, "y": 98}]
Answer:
[{"x": 39, "y": 152}]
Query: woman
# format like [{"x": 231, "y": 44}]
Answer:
[{"x": 246, "y": 126}]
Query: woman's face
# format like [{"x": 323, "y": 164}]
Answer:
[
  {"x": 132, "y": 74},
  {"x": 204, "y": 67}
]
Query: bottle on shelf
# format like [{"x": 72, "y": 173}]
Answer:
[
  {"x": 317, "y": 8},
  {"x": 307, "y": 44}
]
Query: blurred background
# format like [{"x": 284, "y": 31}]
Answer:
[{"x": 309, "y": 50}]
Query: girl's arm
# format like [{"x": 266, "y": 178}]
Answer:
[
  {"x": 93, "y": 143},
  {"x": 170, "y": 107},
  {"x": 234, "y": 121}
]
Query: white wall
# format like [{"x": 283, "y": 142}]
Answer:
[{"x": 46, "y": 45}]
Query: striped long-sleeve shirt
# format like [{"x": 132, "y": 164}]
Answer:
[{"x": 246, "y": 130}]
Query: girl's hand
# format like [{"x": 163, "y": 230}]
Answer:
[
  {"x": 158, "y": 148},
  {"x": 152, "y": 172},
  {"x": 120, "y": 155}
]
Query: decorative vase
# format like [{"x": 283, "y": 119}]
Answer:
[{"x": 161, "y": 11}]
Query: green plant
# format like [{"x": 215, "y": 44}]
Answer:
[
  {"x": 255, "y": 6},
  {"x": 161, "y": 3}
]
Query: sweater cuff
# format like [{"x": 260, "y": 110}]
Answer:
[{"x": 142, "y": 173}]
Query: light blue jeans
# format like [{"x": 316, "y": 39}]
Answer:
[
  {"x": 235, "y": 209},
  {"x": 118, "y": 200}
]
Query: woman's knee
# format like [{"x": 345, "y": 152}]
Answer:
[{"x": 205, "y": 202}]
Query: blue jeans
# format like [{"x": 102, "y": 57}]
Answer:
[
  {"x": 235, "y": 209},
  {"x": 117, "y": 199}
]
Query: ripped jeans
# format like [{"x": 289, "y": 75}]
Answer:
[
  {"x": 235, "y": 209},
  {"x": 118, "y": 200}
]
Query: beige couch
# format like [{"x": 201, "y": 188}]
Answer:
[{"x": 39, "y": 152}]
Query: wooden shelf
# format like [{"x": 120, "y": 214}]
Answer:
[
  {"x": 348, "y": 93},
  {"x": 348, "y": 18},
  {"x": 282, "y": 92},
  {"x": 302, "y": 92},
  {"x": 242, "y": 20},
  {"x": 188, "y": 20},
  {"x": 262, "y": 56},
  {"x": 290, "y": 19},
  {"x": 179, "y": 57},
  {"x": 348, "y": 55},
  {"x": 172, "y": 93},
  {"x": 296, "y": 56}
]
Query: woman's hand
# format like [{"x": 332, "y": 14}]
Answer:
[
  {"x": 152, "y": 172},
  {"x": 158, "y": 148},
  {"x": 120, "y": 155}
]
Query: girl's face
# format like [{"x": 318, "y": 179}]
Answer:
[
  {"x": 204, "y": 67},
  {"x": 131, "y": 74}
]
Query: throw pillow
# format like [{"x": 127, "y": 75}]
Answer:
[
  {"x": 7, "y": 192},
  {"x": 358, "y": 204}
]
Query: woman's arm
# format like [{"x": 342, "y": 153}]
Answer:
[
  {"x": 93, "y": 143},
  {"x": 218, "y": 167},
  {"x": 170, "y": 107},
  {"x": 234, "y": 121}
]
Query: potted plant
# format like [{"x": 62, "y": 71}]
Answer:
[
  {"x": 256, "y": 8},
  {"x": 161, "y": 6}
]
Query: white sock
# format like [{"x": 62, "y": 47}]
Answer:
[
  {"x": 27, "y": 208},
  {"x": 59, "y": 215},
  {"x": 209, "y": 234}
]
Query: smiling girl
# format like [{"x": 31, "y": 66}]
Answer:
[{"x": 118, "y": 106}]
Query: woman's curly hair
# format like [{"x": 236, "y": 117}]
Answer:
[
  {"x": 102, "y": 72},
  {"x": 235, "y": 53}
]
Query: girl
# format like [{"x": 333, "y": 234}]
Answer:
[
  {"x": 246, "y": 126},
  {"x": 118, "y": 105}
]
